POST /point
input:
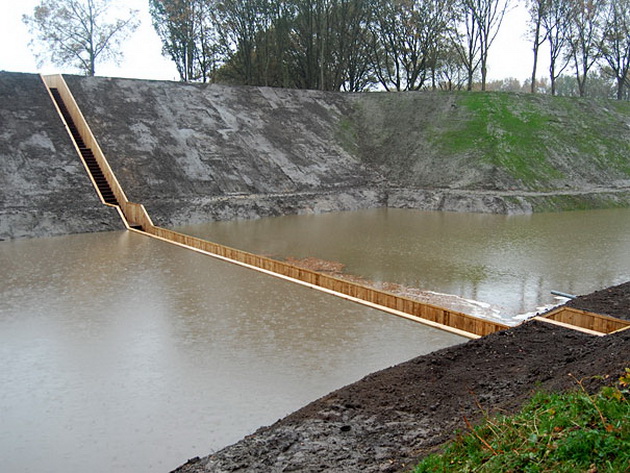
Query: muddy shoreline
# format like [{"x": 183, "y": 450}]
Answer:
[{"x": 390, "y": 419}]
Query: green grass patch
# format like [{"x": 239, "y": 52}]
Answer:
[
  {"x": 536, "y": 139},
  {"x": 347, "y": 135},
  {"x": 569, "y": 432},
  {"x": 507, "y": 131}
]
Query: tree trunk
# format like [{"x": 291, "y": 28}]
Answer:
[{"x": 536, "y": 46}]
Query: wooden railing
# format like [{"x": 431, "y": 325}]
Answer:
[{"x": 597, "y": 323}]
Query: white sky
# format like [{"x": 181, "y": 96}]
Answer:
[{"x": 510, "y": 55}]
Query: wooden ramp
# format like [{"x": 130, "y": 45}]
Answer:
[{"x": 137, "y": 219}]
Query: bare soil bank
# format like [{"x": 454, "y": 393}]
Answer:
[
  {"x": 392, "y": 418},
  {"x": 613, "y": 301},
  {"x": 44, "y": 189},
  {"x": 193, "y": 153}
]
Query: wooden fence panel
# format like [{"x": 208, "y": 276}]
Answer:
[{"x": 374, "y": 296}]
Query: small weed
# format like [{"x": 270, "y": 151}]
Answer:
[{"x": 567, "y": 432}]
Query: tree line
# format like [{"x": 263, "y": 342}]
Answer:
[
  {"x": 354, "y": 45},
  {"x": 349, "y": 45},
  {"x": 357, "y": 45}
]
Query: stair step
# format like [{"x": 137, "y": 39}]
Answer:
[{"x": 86, "y": 152}]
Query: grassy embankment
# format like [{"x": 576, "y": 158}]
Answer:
[
  {"x": 568, "y": 432},
  {"x": 496, "y": 141},
  {"x": 540, "y": 140}
]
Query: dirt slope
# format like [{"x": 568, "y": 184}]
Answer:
[
  {"x": 494, "y": 141},
  {"x": 390, "y": 419},
  {"x": 613, "y": 301},
  {"x": 194, "y": 153},
  {"x": 44, "y": 189},
  {"x": 200, "y": 152}
]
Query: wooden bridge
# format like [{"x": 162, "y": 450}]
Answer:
[{"x": 137, "y": 219}]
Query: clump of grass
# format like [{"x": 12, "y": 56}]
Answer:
[
  {"x": 567, "y": 432},
  {"x": 537, "y": 140}
]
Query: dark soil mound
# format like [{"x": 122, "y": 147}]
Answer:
[
  {"x": 613, "y": 301},
  {"x": 390, "y": 419}
]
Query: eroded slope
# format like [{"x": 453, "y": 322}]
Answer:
[
  {"x": 495, "y": 141},
  {"x": 187, "y": 151},
  {"x": 44, "y": 188}
]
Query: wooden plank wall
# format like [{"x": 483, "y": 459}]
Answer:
[
  {"x": 588, "y": 320},
  {"x": 438, "y": 315}
]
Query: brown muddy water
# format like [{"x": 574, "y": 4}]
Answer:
[
  {"x": 125, "y": 354},
  {"x": 506, "y": 264}
]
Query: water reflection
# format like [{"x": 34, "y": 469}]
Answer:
[
  {"x": 512, "y": 262},
  {"x": 121, "y": 353}
]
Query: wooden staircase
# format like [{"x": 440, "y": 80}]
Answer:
[{"x": 88, "y": 155}]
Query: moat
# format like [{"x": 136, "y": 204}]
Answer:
[{"x": 123, "y": 353}]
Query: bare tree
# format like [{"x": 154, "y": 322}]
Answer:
[
  {"x": 585, "y": 38},
  {"x": 450, "y": 72},
  {"x": 406, "y": 37},
  {"x": 536, "y": 10},
  {"x": 488, "y": 16},
  {"x": 465, "y": 40},
  {"x": 556, "y": 21},
  {"x": 78, "y": 33},
  {"x": 352, "y": 70},
  {"x": 240, "y": 24},
  {"x": 187, "y": 35},
  {"x": 312, "y": 42},
  {"x": 616, "y": 44}
]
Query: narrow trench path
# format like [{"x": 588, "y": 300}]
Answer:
[
  {"x": 136, "y": 218},
  {"x": 87, "y": 154}
]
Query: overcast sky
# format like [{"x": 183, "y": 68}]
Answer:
[{"x": 510, "y": 55}]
